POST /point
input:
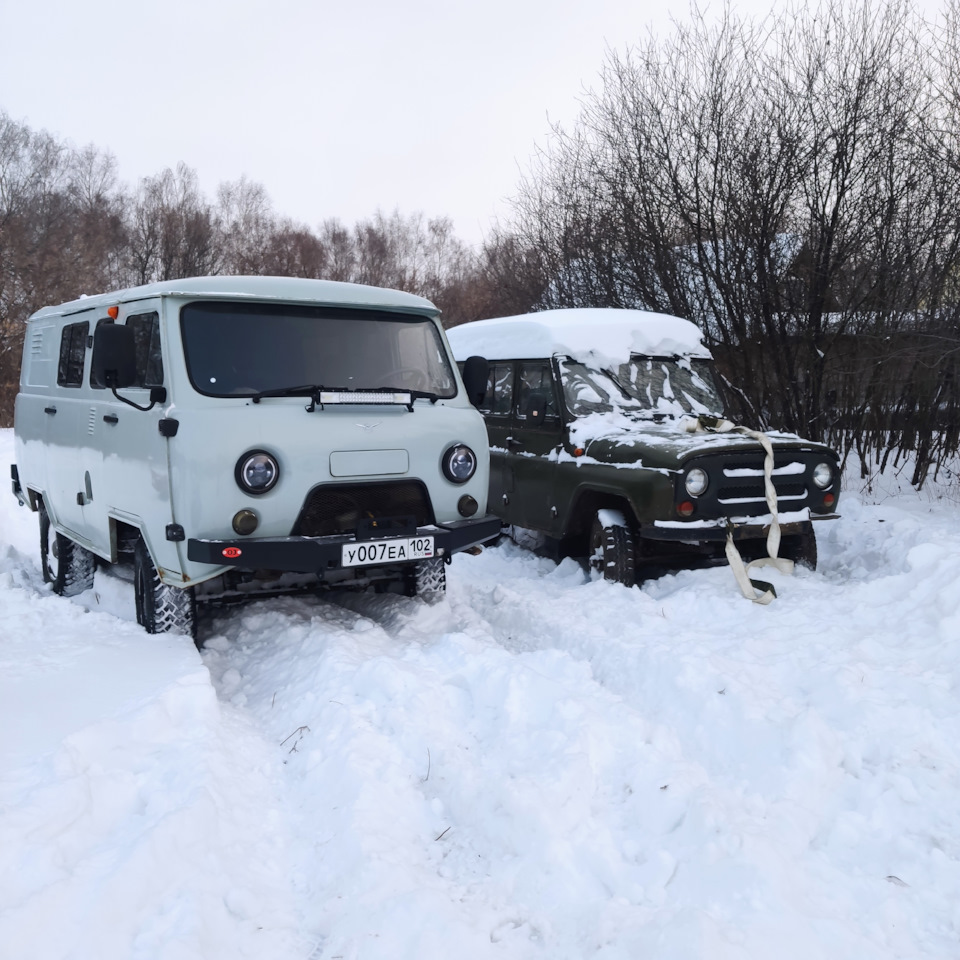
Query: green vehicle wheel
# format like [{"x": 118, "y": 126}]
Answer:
[{"x": 612, "y": 550}]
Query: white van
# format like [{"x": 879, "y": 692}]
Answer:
[{"x": 235, "y": 435}]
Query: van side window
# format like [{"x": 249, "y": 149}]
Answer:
[
  {"x": 536, "y": 386},
  {"x": 73, "y": 349},
  {"x": 146, "y": 342},
  {"x": 146, "y": 339},
  {"x": 499, "y": 396},
  {"x": 94, "y": 379}
]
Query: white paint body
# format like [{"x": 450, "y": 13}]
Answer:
[{"x": 91, "y": 472}]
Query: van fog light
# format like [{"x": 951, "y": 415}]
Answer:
[
  {"x": 695, "y": 482},
  {"x": 467, "y": 505},
  {"x": 459, "y": 463},
  {"x": 685, "y": 509},
  {"x": 257, "y": 472},
  {"x": 245, "y": 522}
]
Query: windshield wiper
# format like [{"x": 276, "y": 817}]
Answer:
[
  {"x": 320, "y": 395},
  {"x": 306, "y": 389},
  {"x": 415, "y": 394}
]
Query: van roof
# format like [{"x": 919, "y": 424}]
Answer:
[
  {"x": 289, "y": 289},
  {"x": 578, "y": 332}
]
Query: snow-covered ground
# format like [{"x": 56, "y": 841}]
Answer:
[{"x": 540, "y": 766}]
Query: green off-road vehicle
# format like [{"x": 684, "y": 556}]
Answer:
[{"x": 604, "y": 440}]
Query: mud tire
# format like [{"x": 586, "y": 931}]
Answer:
[
  {"x": 428, "y": 580},
  {"x": 65, "y": 564},
  {"x": 612, "y": 552},
  {"x": 160, "y": 607}
]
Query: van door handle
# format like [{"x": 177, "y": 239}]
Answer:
[
  {"x": 111, "y": 418},
  {"x": 50, "y": 410}
]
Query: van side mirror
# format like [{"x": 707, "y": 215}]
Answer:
[
  {"x": 476, "y": 371},
  {"x": 114, "y": 355}
]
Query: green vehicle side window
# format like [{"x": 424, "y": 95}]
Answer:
[
  {"x": 536, "y": 387},
  {"x": 498, "y": 399}
]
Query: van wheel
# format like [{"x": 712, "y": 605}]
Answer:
[
  {"x": 427, "y": 579},
  {"x": 160, "y": 607},
  {"x": 612, "y": 551},
  {"x": 67, "y": 565}
]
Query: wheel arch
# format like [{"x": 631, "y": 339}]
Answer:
[
  {"x": 585, "y": 504},
  {"x": 34, "y": 498}
]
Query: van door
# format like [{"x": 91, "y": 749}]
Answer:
[{"x": 131, "y": 479}]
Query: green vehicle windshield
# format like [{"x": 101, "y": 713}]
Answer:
[{"x": 646, "y": 387}]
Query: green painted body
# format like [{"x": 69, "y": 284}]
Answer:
[{"x": 548, "y": 475}]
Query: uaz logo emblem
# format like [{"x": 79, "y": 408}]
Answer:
[{"x": 369, "y": 426}]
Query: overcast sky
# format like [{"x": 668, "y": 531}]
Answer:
[{"x": 338, "y": 109}]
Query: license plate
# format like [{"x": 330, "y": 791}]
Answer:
[{"x": 372, "y": 552}]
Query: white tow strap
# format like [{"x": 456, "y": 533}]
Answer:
[{"x": 759, "y": 591}]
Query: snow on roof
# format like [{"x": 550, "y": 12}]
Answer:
[
  {"x": 580, "y": 333},
  {"x": 289, "y": 289}
]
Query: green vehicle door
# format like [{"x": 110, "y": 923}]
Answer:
[
  {"x": 532, "y": 447},
  {"x": 497, "y": 410}
]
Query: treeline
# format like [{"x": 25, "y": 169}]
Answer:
[
  {"x": 68, "y": 226},
  {"x": 793, "y": 185}
]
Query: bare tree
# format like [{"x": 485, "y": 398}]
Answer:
[
  {"x": 174, "y": 231},
  {"x": 780, "y": 182},
  {"x": 247, "y": 223}
]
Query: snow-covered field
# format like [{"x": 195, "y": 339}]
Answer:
[{"x": 540, "y": 766}]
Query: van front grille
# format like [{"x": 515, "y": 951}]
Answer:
[{"x": 336, "y": 509}]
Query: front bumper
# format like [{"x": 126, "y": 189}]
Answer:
[
  {"x": 701, "y": 531},
  {"x": 319, "y": 554}
]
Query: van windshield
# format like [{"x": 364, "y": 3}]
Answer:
[
  {"x": 646, "y": 386},
  {"x": 246, "y": 349}
]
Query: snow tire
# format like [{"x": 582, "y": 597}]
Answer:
[
  {"x": 160, "y": 607},
  {"x": 67, "y": 565},
  {"x": 612, "y": 551},
  {"x": 428, "y": 580}
]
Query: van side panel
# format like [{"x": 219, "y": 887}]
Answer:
[
  {"x": 37, "y": 374},
  {"x": 92, "y": 458}
]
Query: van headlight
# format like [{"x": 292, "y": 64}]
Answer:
[
  {"x": 695, "y": 481},
  {"x": 823, "y": 475},
  {"x": 257, "y": 472},
  {"x": 459, "y": 463}
]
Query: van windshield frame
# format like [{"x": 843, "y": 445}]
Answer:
[{"x": 244, "y": 349}]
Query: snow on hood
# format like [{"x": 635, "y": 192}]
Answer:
[
  {"x": 597, "y": 334},
  {"x": 616, "y": 436}
]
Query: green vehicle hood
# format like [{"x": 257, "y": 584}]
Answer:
[{"x": 666, "y": 445}]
